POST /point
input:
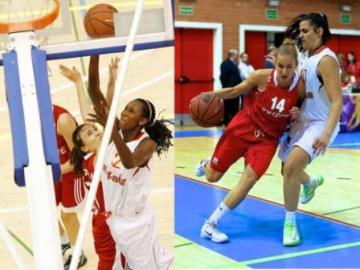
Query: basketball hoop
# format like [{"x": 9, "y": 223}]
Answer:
[{"x": 34, "y": 24}]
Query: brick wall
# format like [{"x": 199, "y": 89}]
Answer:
[{"x": 231, "y": 13}]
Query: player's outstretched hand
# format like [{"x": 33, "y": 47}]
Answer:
[{"x": 71, "y": 73}]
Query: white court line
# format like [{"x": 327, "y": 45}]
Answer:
[
  {"x": 13, "y": 210},
  {"x": 71, "y": 84}
]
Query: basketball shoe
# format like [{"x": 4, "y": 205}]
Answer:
[
  {"x": 291, "y": 236},
  {"x": 308, "y": 191},
  {"x": 209, "y": 230},
  {"x": 201, "y": 167},
  {"x": 82, "y": 261},
  {"x": 65, "y": 247}
]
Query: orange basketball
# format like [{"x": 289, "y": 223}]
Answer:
[
  {"x": 207, "y": 110},
  {"x": 99, "y": 22}
]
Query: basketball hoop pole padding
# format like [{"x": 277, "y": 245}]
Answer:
[
  {"x": 46, "y": 112},
  {"x": 16, "y": 112},
  {"x": 38, "y": 175}
]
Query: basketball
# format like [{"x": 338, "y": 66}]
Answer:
[
  {"x": 207, "y": 110},
  {"x": 99, "y": 21}
]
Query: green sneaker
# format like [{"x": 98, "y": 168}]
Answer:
[
  {"x": 308, "y": 191},
  {"x": 291, "y": 236}
]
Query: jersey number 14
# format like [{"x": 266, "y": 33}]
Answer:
[{"x": 280, "y": 106}]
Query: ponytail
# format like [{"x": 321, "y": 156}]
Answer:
[
  {"x": 161, "y": 134},
  {"x": 77, "y": 155},
  {"x": 157, "y": 129}
]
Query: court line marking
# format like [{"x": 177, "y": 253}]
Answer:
[
  {"x": 342, "y": 210},
  {"x": 184, "y": 244},
  {"x": 22, "y": 243},
  {"x": 301, "y": 253},
  {"x": 274, "y": 203},
  {"x": 13, "y": 210}
]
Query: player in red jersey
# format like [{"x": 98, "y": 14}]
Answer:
[
  {"x": 83, "y": 162},
  {"x": 254, "y": 132},
  {"x": 70, "y": 192}
]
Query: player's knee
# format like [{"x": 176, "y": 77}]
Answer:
[
  {"x": 289, "y": 170},
  {"x": 213, "y": 176},
  {"x": 68, "y": 217}
]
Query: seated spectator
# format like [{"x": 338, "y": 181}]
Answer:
[
  {"x": 353, "y": 67},
  {"x": 244, "y": 66}
]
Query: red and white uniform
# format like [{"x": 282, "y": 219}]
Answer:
[
  {"x": 70, "y": 192},
  {"x": 254, "y": 131},
  {"x": 105, "y": 247},
  {"x": 314, "y": 111},
  {"x": 132, "y": 221}
]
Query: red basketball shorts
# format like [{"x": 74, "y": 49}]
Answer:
[{"x": 245, "y": 140}]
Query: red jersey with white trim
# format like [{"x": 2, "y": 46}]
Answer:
[
  {"x": 269, "y": 108},
  {"x": 125, "y": 190},
  {"x": 88, "y": 172},
  {"x": 63, "y": 149}
]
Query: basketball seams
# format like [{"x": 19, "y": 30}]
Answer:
[
  {"x": 208, "y": 106},
  {"x": 110, "y": 25},
  {"x": 207, "y": 114},
  {"x": 98, "y": 21}
]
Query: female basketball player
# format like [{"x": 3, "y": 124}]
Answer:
[
  {"x": 126, "y": 174},
  {"x": 320, "y": 114},
  {"x": 254, "y": 132},
  {"x": 103, "y": 241},
  {"x": 69, "y": 192}
]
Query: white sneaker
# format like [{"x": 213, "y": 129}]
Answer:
[
  {"x": 291, "y": 236},
  {"x": 201, "y": 167},
  {"x": 209, "y": 230}
]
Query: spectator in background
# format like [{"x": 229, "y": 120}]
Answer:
[
  {"x": 342, "y": 61},
  {"x": 270, "y": 57},
  {"x": 353, "y": 66},
  {"x": 230, "y": 77},
  {"x": 346, "y": 84},
  {"x": 244, "y": 66}
]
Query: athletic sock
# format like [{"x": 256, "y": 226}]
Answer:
[
  {"x": 219, "y": 212},
  {"x": 290, "y": 215},
  {"x": 64, "y": 239}
]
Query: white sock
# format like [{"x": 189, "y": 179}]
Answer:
[
  {"x": 64, "y": 239},
  {"x": 290, "y": 215},
  {"x": 219, "y": 212}
]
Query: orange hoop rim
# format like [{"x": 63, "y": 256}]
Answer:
[{"x": 35, "y": 24}]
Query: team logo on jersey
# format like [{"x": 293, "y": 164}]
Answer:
[
  {"x": 309, "y": 95},
  {"x": 112, "y": 177},
  {"x": 116, "y": 161}
]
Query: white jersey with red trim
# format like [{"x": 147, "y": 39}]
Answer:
[
  {"x": 316, "y": 106},
  {"x": 125, "y": 190}
]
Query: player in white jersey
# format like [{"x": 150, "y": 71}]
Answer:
[
  {"x": 320, "y": 114},
  {"x": 126, "y": 175}
]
